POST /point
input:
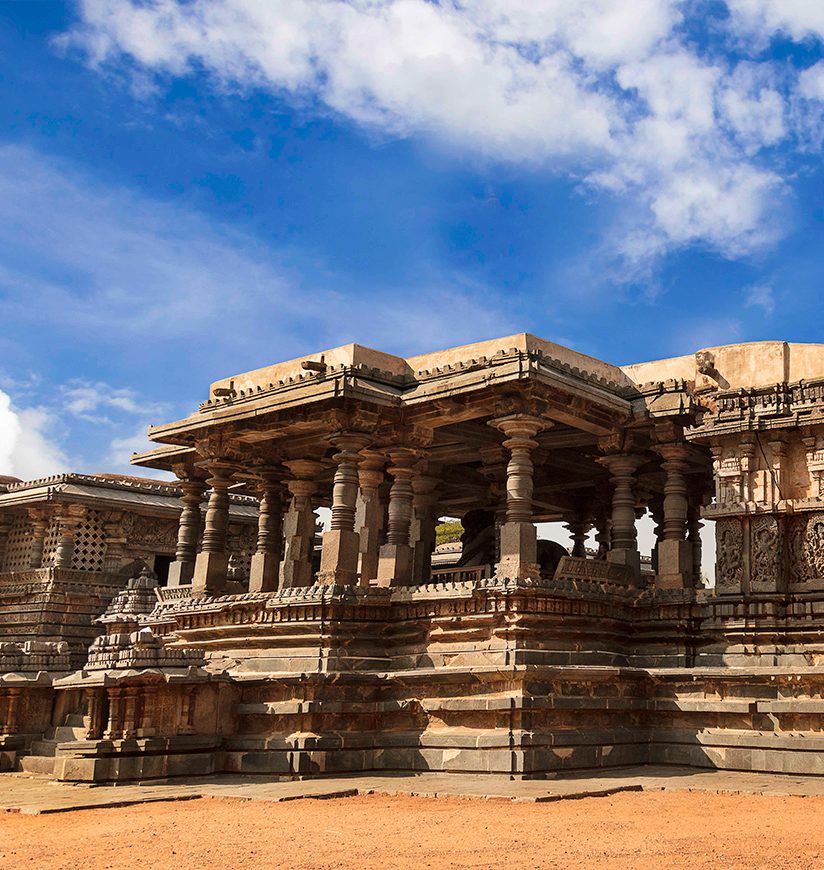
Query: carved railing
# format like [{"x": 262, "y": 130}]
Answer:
[
  {"x": 467, "y": 574},
  {"x": 173, "y": 593},
  {"x": 593, "y": 570}
]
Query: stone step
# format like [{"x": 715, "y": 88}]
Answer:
[
  {"x": 44, "y": 748},
  {"x": 37, "y": 764}
]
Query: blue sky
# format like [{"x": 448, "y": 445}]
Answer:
[{"x": 192, "y": 190}]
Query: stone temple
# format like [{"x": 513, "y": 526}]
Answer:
[{"x": 153, "y": 630}]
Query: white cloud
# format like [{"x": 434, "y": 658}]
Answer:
[
  {"x": 147, "y": 273},
  {"x": 761, "y": 296},
  {"x": 168, "y": 284},
  {"x": 690, "y": 335},
  {"x": 27, "y": 446},
  {"x": 84, "y": 399},
  {"x": 811, "y": 82},
  {"x": 753, "y": 106},
  {"x": 797, "y": 19},
  {"x": 610, "y": 92},
  {"x": 121, "y": 449}
]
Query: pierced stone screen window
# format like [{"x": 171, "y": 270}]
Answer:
[
  {"x": 89, "y": 544},
  {"x": 18, "y": 546},
  {"x": 241, "y": 546},
  {"x": 50, "y": 543}
]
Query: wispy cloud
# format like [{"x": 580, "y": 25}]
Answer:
[
  {"x": 760, "y": 296},
  {"x": 127, "y": 268},
  {"x": 615, "y": 94},
  {"x": 88, "y": 400},
  {"x": 112, "y": 269},
  {"x": 116, "y": 457}
]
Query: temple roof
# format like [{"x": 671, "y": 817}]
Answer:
[
  {"x": 108, "y": 491},
  {"x": 408, "y": 370}
]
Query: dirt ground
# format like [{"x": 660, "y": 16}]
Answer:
[{"x": 637, "y": 830}]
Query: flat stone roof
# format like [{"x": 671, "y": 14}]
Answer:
[
  {"x": 110, "y": 490},
  {"x": 409, "y": 368}
]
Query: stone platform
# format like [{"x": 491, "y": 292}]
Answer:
[{"x": 33, "y": 795}]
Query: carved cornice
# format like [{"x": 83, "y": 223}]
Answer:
[{"x": 781, "y": 405}]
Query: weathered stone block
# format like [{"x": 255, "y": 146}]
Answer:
[
  {"x": 181, "y": 573},
  {"x": 519, "y": 552},
  {"x": 264, "y": 572},
  {"x": 675, "y": 565},
  {"x": 395, "y": 565},
  {"x": 210, "y": 573},
  {"x": 339, "y": 558},
  {"x": 630, "y": 558}
]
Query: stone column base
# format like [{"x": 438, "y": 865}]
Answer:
[
  {"x": 181, "y": 573},
  {"x": 264, "y": 572},
  {"x": 339, "y": 558},
  {"x": 294, "y": 575},
  {"x": 631, "y": 558},
  {"x": 675, "y": 564},
  {"x": 395, "y": 565},
  {"x": 210, "y": 573},
  {"x": 519, "y": 552}
]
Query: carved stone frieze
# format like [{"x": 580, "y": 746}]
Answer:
[
  {"x": 729, "y": 571},
  {"x": 150, "y": 533},
  {"x": 766, "y": 546},
  {"x": 806, "y": 549}
]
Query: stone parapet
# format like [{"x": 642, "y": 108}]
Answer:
[{"x": 34, "y": 656}]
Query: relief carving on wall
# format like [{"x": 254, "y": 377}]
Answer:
[
  {"x": 150, "y": 533},
  {"x": 766, "y": 553},
  {"x": 730, "y": 556},
  {"x": 807, "y": 548},
  {"x": 800, "y": 569}
]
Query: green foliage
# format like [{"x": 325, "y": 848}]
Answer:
[{"x": 448, "y": 532}]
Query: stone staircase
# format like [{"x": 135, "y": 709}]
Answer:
[{"x": 40, "y": 759}]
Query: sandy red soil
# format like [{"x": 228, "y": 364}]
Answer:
[{"x": 631, "y": 830}]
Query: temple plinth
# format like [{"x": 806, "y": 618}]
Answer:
[{"x": 310, "y": 624}]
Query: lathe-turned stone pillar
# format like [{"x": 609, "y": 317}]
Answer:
[
  {"x": 655, "y": 507},
  {"x": 424, "y": 523},
  {"x": 395, "y": 562},
  {"x": 182, "y": 570},
  {"x": 68, "y": 521},
  {"x": 129, "y": 728},
  {"x": 519, "y": 538},
  {"x": 39, "y": 527},
  {"x": 578, "y": 528},
  {"x": 341, "y": 544},
  {"x": 675, "y": 553},
  {"x": 370, "y": 514},
  {"x": 114, "y": 725},
  {"x": 9, "y": 717},
  {"x": 265, "y": 568},
  {"x": 603, "y": 537},
  {"x": 493, "y": 467},
  {"x": 694, "y": 526},
  {"x": 93, "y": 723},
  {"x": 624, "y": 545},
  {"x": 299, "y": 523},
  {"x": 212, "y": 563}
]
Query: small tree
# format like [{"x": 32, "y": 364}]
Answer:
[{"x": 448, "y": 532}]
